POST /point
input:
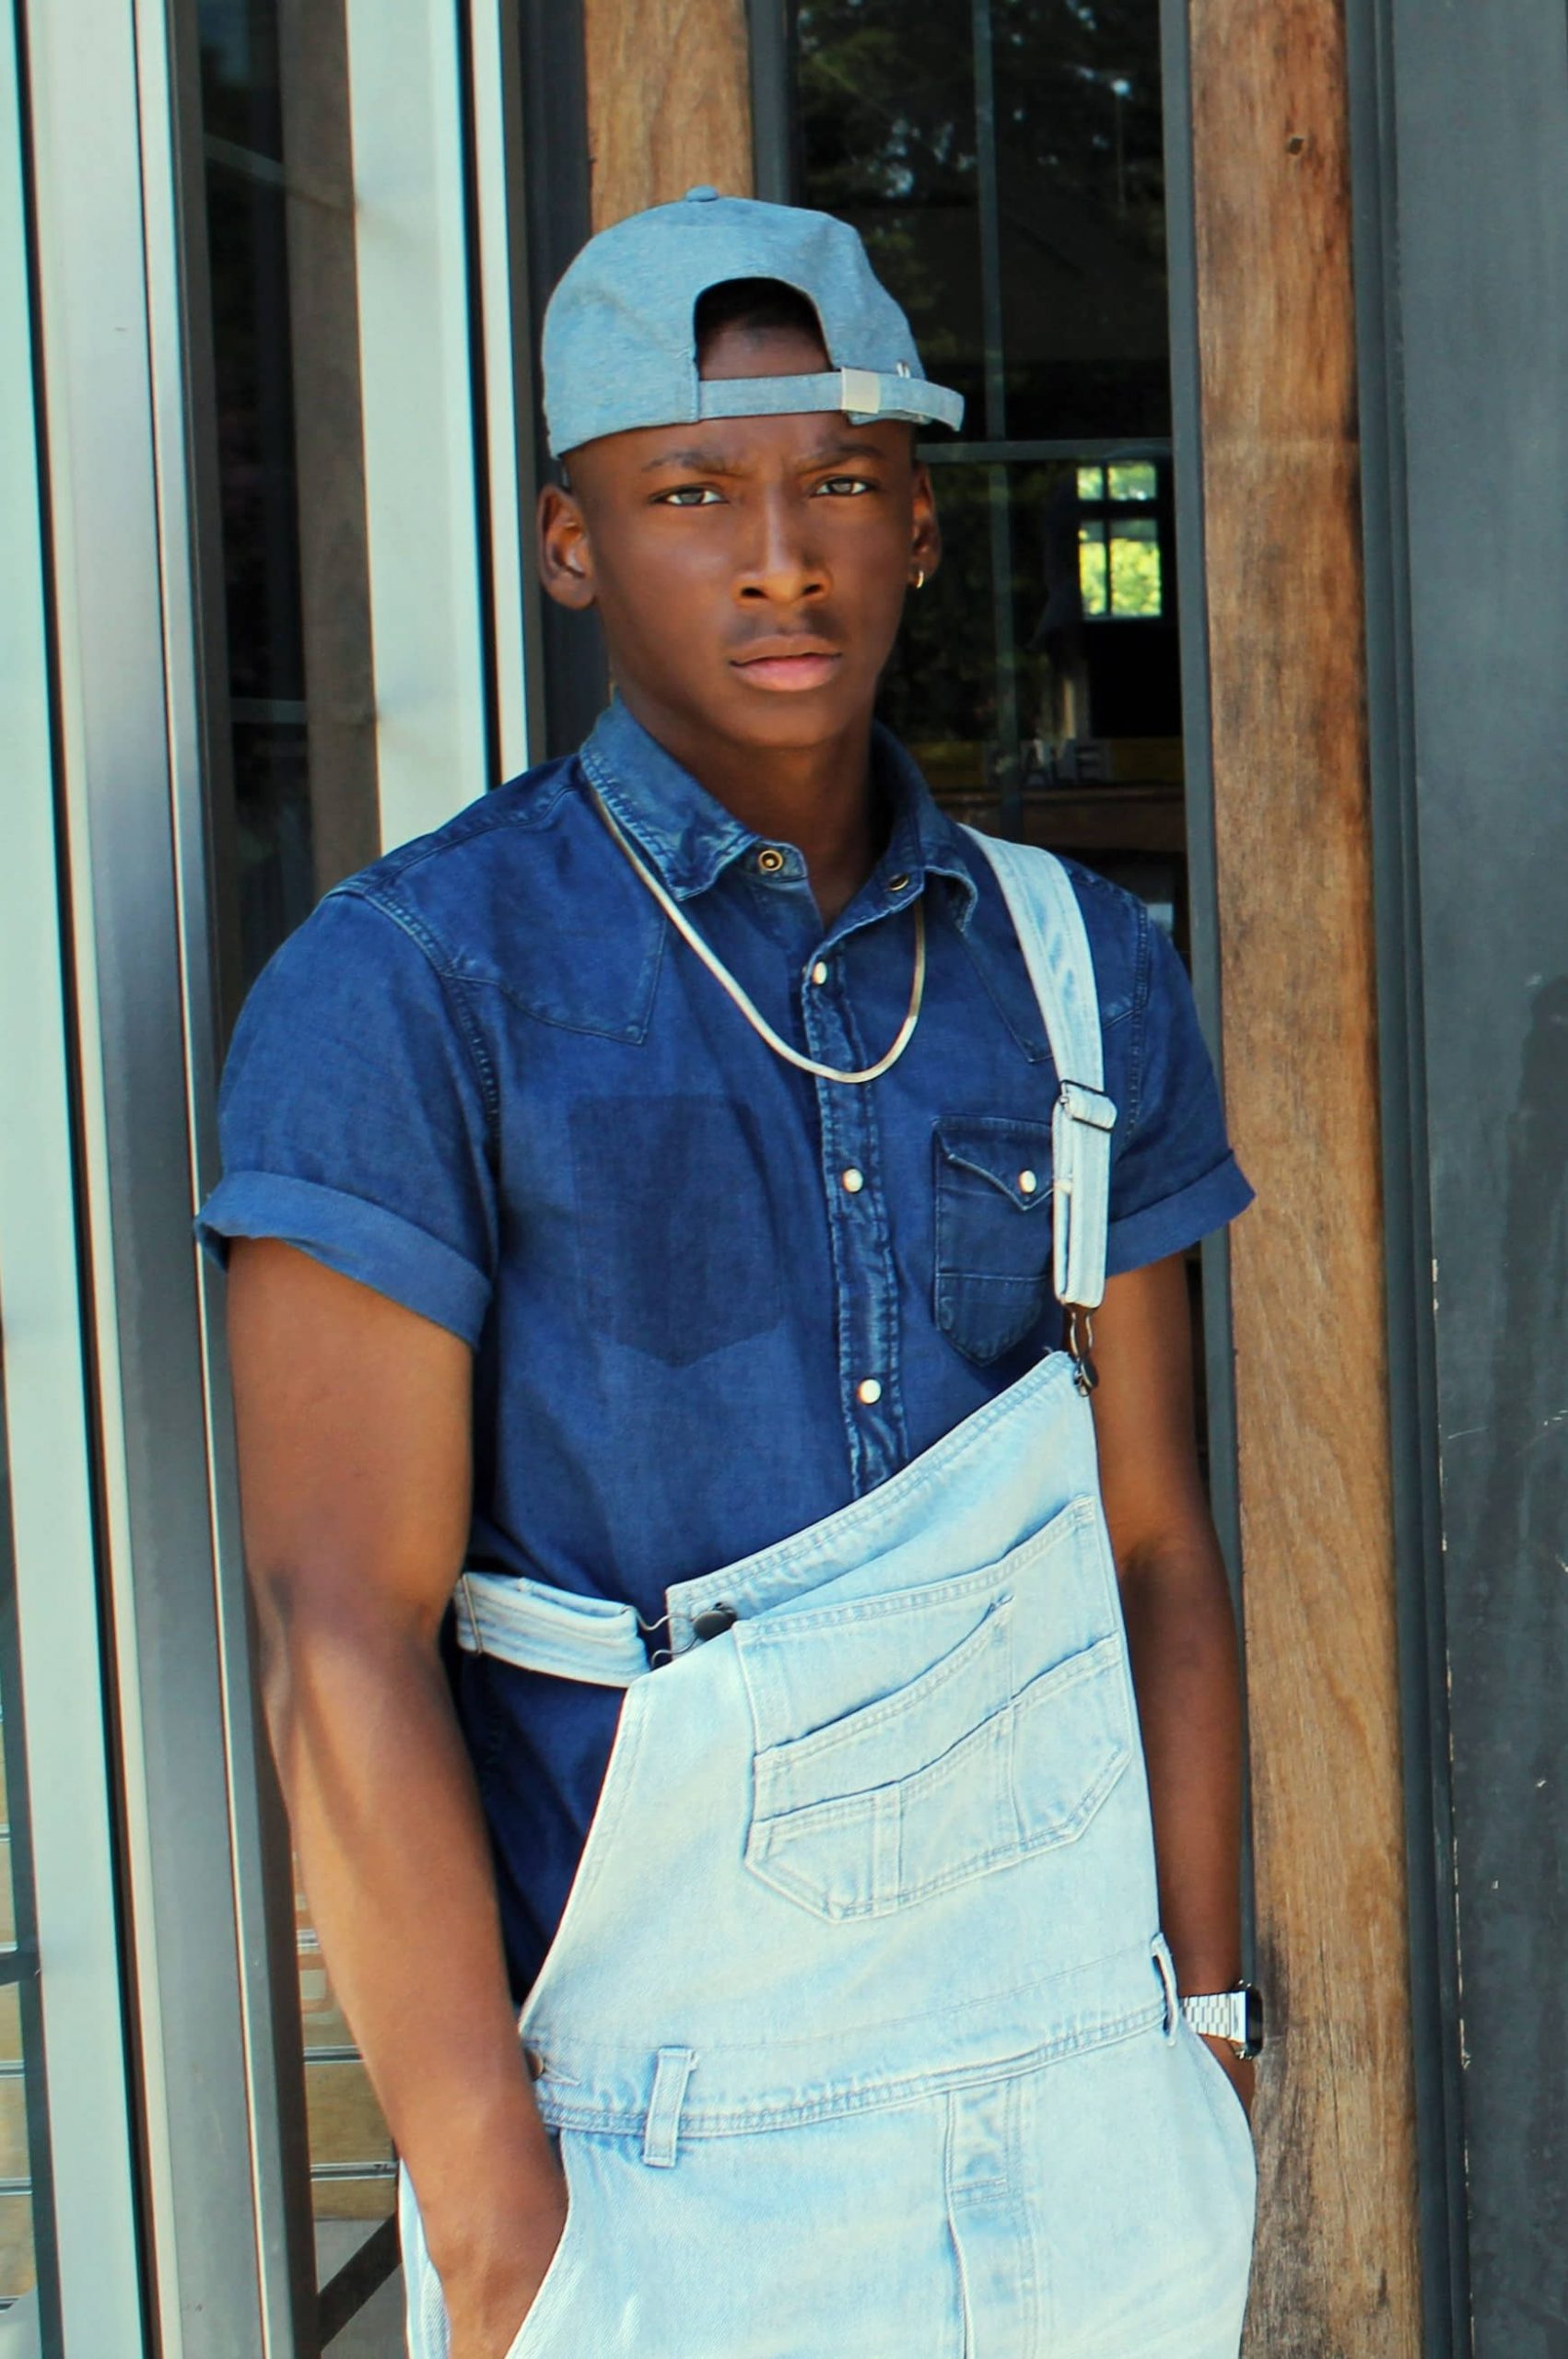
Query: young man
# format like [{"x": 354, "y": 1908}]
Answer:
[{"x": 705, "y": 1600}]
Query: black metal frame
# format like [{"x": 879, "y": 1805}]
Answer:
[
  {"x": 770, "y": 25},
  {"x": 1435, "y": 1994}
]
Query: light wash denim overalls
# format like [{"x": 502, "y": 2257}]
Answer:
[{"x": 859, "y": 2036}]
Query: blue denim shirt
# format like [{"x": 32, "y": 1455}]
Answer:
[{"x": 710, "y": 1298}]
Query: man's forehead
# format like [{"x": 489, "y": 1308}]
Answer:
[
  {"x": 821, "y": 435},
  {"x": 800, "y": 440}
]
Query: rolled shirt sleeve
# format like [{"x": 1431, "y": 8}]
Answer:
[
  {"x": 353, "y": 1119},
  {"x": 1175, "y": 1177}
]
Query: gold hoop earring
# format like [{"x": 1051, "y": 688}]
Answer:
[{"x": 919, "y": 578}]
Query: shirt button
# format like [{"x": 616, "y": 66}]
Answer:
[
  {"x": 896, "y": 883},
  {"x": 770, "y": 860},
  {"x": 1027, "y": 1183},
  {"x": 819, "y": 972},
  {"x": 869, "y": 1392},
  {"x": 851, "y": 1181}
]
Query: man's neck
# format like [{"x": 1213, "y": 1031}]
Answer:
[{"x": 820, "y": 798}]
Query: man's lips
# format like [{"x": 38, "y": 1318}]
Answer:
[{"x": 788, "y": 663}]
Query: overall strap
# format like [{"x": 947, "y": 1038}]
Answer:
[
  {"x": 1054, "y": 942},
  {"x": 537, "y": 1627}
]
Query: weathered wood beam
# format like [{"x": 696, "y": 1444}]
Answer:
[
  {"x": 669, "y": 101},
  {"x": 1337, "y": 2275}
]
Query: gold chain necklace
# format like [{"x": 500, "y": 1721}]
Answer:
[{"x": 754, "y": 1017}]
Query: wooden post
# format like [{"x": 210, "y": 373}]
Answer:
[
  {"x": 669, "y": 101},
  {"x": 1336, "y": 2273}
]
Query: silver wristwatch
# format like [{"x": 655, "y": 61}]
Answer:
[{"x": 1235, "y": 2015}]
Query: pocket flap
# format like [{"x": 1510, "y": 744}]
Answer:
[{"x": 1014, "y": 1157}]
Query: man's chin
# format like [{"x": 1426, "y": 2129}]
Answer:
[
  {"x": 799, "y": 722},
  {"x": 794, "y": 722}
]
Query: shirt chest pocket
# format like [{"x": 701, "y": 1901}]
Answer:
[
  {"x": 992, "y": 1231},
  {"x": 906, "y": 1744}
]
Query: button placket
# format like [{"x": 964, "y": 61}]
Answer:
[{"x": 864, "y": 1276}]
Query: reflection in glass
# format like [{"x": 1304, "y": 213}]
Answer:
[
  {"x": 298, "y": 809},
  {"x": 1004, "y": 160},
  {"x": 885, "y": 99},
  {"x": 293, "y": 795},
  {"x": 1135, "y": 480},
  {"x": 1135, "y": 568},
  {"x": 1094, "y": 574}
]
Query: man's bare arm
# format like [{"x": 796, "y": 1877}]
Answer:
[
  {"x": 1181, "y": 1629},
  {"x": 355, "y": 1440}
]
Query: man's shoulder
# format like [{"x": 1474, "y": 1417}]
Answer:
[
  {"x": 498, "y": 833},
  {"x": 520, "y": 894}
]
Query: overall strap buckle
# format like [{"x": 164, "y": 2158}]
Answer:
[
  {"x": 1080, "y": 1342},
  {"x": 1081, "y": 1123}
]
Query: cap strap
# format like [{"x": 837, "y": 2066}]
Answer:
[{"x": 861, "y": 394}]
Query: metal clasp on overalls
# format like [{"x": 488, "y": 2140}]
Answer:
[
  {"x": 1085, "y": 1374},
  {"x": 648, "y": 1629}
]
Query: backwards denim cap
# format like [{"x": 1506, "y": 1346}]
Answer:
[{"x": 620, "y": 339}]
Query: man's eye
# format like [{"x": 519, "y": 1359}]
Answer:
[
  {"x": 689, "y": 495},
  {"x": 841, "y": 485}
]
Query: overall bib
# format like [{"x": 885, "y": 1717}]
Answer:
[{"x": 859, "y": 2035}]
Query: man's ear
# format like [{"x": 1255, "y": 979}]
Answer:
[
  {"x": 925, "y": 549},
  {"x": 565, "y": 560}
]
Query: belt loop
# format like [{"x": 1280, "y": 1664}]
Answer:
[
  {"x": 1166, "y": 1965},
  {"x": 670, "y": 2074},
  {"x": 464, "y": 1600}
]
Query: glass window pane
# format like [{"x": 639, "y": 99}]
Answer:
[
  {"x": 297, "y": 808},
  {"x": 886, "y": 103},
  {"x": 1091, "y": 568},
  {"x": 1081, "y": 222},
  {"x": 1091, "y": 483},
  {"x": 1137, "y": 479},
  {"x": 1135, "y": 568},
  {"x": 904, "y": 135}
]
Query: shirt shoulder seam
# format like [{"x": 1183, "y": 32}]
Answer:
[{"x": 453, "y": 993}]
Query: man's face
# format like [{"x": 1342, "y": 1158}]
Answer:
[{"x": 750, "y": 573}]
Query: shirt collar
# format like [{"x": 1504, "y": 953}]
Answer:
[{"x": 689, "y": 839}]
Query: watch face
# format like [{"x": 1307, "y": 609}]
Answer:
[{"x": 1254, "y": 2039}]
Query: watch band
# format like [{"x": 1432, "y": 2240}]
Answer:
[{"x": 1235, "y": 2015}]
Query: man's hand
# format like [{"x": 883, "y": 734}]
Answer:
[
  {"x": 1240, "y": 2070},
  {"x": 485, "y": 2313}
]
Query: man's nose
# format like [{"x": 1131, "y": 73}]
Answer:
[{"x": 783, "y": 565}]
